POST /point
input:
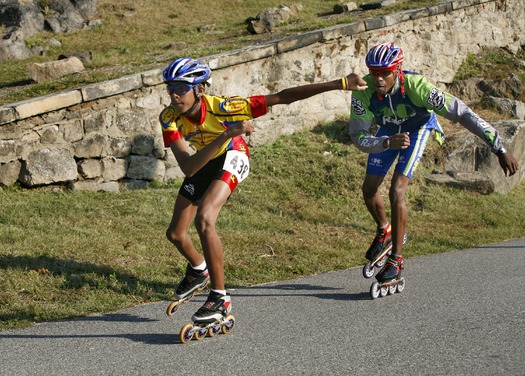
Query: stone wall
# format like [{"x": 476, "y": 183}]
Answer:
[{"x": 106, "y": 136}]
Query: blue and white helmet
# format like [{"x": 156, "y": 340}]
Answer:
[
  {"x": 384, "y": 56},
  {"x": 187, "y": 70}
]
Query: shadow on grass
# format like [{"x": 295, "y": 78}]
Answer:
[
  {"x": 335, "y": 131},
  {"x": 79, "y": 275}
]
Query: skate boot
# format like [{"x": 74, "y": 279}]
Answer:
[
  {"x": 382, "y": 240},
  {"x": 213, "y": 317},
  {"x": 389, "y": 280},
  {"x": 193, "y": 281},
  {"x": 391, "y": 270},
  {"x": 217, "y": 306}
]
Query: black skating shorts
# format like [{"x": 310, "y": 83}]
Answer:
[{"x": 194, "y": 187}]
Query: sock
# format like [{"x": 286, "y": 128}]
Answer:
[
  {"x": 201, "y": 267},
  {"x": 384, "y": 227},
  {"x": 222, "y": 292}
]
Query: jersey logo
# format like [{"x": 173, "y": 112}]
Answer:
[
  {"x": 167, "y": 116},
  {"x": 376, "y": 162},
  {"x": 358, "y": 107},
  {"x": 233, "y": 105},
  {"x": 436, "y": 99}
]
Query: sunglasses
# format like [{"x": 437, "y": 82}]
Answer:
[
  {"x": 381, "y": 73},
  {"x": 179, "y": 90}
]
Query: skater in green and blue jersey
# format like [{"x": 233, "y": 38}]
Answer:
[{"x": 404, "y": 104}]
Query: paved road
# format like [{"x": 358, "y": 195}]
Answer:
[{"x": 461, "y": 313}]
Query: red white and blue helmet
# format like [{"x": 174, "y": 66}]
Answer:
[
  {"x": 187, "y": 70},
  {"x": 384, "y": 56}
]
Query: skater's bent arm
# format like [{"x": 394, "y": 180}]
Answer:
[
  {"x": 287, "y": 96},
  {"x": 190, "y": 164}
]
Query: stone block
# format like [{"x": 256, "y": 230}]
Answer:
[
  {"x": 113, "y": 169},
  {"x": 9, "y": 173},
  {"x": 470, "y": 181},
  {"x": 152, "y": 77},
  {"x": 119, "y": 147},
  {"x": 90, "y": 168},
  {"x": 111, "y": 186},
  {"x": 52, "y": 70},
  {"x": 7, "y": 115},
  {"x": 419, "y": 13},
  {"x": 375, "y": 23},
  {"x": 439, "y": 8},
  {"x": 298, "y": 41},
  {"x": 111, "y": 87},
  {"x": 142, "y": 144},
  {"x": 241, "y": 56},
  {"x": 84, "y": 185},
  {"x": 48, "y": 166},
  {"x": 91, "y": 147},
  {"x": 48, "y": 103},
  {"x": 145, "y": 168},
  {"x": 339, "y": 31},
  {"x": 345, "y": 7},
  {"x": 8, "y": 151},
  {"x": 475, "y": 156}
]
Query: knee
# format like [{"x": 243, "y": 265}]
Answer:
[
  {"x": 173, "y": 236},
  {"x": 204, "y": 223},
  {"x": 368, "y": 191},
  {"x": 397, "y": 194}
]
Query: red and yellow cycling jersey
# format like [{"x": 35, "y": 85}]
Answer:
[{"x": 218, "y": 113}]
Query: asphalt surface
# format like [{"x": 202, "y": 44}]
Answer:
[{"x": 461, "y": 313}]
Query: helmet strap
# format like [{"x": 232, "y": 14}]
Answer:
[
  {"x": 401, "y": 78},
  {"x": 197, "y": 101}
]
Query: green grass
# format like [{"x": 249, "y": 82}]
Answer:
[{"x": 67, "y": 254}]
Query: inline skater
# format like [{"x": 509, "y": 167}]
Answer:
[
  {"x": 404, "y": 104},
  {"x": 214, "y": 126}
]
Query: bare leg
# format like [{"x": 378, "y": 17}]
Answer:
[
  {"x": 399, "y": 211},
  {"x": 183, "y": 215},
  {"x": 373, "y": 200},
  {"x": 205, "y": 222}
]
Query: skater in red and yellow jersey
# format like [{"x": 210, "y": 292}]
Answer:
[{"x": 214, "y": 126}]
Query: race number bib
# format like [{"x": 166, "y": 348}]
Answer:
[{"x": 238, "y": 164}]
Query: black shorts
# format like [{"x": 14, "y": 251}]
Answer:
[{"x": 193, "y": 188}]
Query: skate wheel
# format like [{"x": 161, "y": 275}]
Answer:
[
  {"x": 188, "y": 298},
  {"x": 401, "y": 284},
  {"x": 214, "y": 329},
  {"x": 173, "y": 308},
  {"x": 384, "y": 291},
  {"x": 374, "y": 290},
  {"x": 368, "y": 270},
  {"x": 186, "y": 334},
  {"x": 381, "y": 262},
  {"x": 200, "y": 333},
  {"x": 392, "y": 289},
  {"x": 228, "y": 327}
]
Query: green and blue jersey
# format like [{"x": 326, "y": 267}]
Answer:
[{"x": 411, "y": 111}]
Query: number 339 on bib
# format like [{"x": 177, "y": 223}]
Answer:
[{"x": 238, "y": 164}]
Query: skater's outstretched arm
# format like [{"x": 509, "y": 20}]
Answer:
[{"x": 287, "y": 96}]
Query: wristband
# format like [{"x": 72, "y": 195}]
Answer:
[
  {"x": 387, "y": 143},
  {"x": 501, "y": 151},
  {"x": 344, "y": 83}
]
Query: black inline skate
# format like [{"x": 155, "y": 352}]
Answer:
[
  {"x": 389, "y": 280},
  {"x": 213, "y": 317},
  {"x": 378, "y": 252},
  {"x": 193, "y": 282}
]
